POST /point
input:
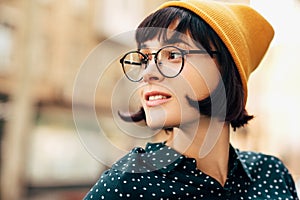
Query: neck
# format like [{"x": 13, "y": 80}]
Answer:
[{"x": 208, "y": 143}]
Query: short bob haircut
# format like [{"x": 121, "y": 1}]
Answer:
[{"x": 233, "y": 104}]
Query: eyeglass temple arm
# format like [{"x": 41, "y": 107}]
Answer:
[
  {"x": 130, "y": 62},
  {"x": 200, "y": 52}
]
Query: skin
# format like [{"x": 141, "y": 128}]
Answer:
[{"x": 198, "y": 78}]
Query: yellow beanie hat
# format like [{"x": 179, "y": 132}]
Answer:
[{"x": 244, "y": 31}]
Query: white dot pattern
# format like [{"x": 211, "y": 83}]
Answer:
[{"x": 159, "y": 172}]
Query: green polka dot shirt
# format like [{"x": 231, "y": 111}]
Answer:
[{"x": 159, "y": 172}]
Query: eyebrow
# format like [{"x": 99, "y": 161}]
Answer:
[
  {"x": 175, "y": 40},
  {"x": 142, "y": 46}
]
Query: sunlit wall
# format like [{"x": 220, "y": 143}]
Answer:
[{"x": 274, "y": 87}]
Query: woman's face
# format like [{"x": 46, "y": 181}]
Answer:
[{"x": 164, "y": 99}]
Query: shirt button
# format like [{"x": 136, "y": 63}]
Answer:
[{"x": 227, "y": 192}]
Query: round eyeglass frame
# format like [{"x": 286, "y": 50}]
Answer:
[{"x": 146, "y": 59}]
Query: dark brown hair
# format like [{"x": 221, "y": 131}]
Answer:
[{"x": 232, "y": 103}]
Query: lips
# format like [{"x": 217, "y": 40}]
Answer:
[{"x": 156, "y": 98}]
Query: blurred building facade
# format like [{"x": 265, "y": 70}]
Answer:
[{"x": 42, "y": 46}]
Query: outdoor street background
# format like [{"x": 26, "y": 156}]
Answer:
[{"x": 43, "y": 43}]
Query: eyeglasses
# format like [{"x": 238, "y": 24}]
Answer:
[{"x": 169, "y": 61}]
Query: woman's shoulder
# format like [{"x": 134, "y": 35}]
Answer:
[
  {"x": 113, "y": 184},
  {"x": 116, "y": 184},
  {"x": 263, "y": 166},
  {"x": 253, "y": 158},
  {"x": 133, "y": 175}
]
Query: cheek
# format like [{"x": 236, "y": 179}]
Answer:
[
  {"x": 194, "y": 82},
  {"x": 175, "y": 112},
  {"x": 202, "y": 79}
]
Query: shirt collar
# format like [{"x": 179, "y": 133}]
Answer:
[
  {"x": 236, "y": 164},
  {"x": 167, "y": 159},
  {"x": 155, "y": 157},
  {"x": 162, "y": 158}
]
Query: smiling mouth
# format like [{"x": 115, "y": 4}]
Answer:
[{"x": 156, "y": 98}]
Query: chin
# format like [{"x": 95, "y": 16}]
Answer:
[
  {"x": 161, "y": 118},
  {"x": 154, "y": 125},
  {"x": 160, "y": 124}
]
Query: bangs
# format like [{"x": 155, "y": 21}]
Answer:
[
  {"x": 158, "y": 25},
  {"x": 180, "y": 21}
]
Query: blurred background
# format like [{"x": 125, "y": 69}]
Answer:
[{"x": 42, "y": 46}]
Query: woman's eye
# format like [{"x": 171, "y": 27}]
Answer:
[{"x": 174, "y": 55}]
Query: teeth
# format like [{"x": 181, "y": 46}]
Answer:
[{"x": 156, "y": 97}]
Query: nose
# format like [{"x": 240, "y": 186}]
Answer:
[{"x": 151, "y": 73}]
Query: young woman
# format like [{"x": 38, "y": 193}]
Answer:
[{"x": 191, "y": 67}]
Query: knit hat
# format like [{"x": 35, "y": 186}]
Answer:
[{"x": 244, "y": 31}]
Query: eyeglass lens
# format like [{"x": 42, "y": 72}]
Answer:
[{"x": 169, "y": 61}]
